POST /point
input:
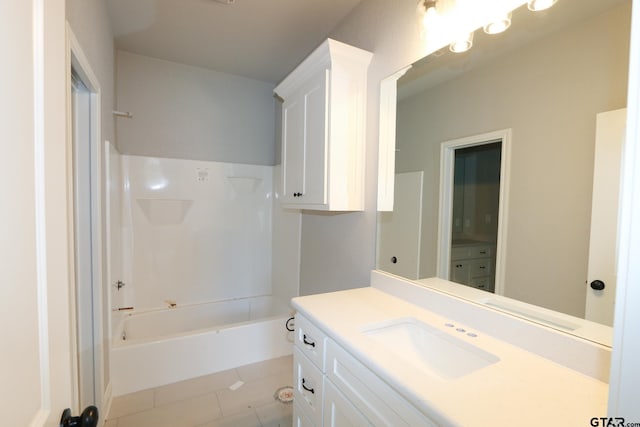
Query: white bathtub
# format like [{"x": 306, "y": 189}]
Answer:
[{"x": 175, "y": 344}]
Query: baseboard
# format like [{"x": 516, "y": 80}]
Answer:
[{"x": 107, "y": 399}]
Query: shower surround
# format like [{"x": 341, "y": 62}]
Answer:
[
  {"x": 195, "y": 231},
  {"x": 202, "y": 270}
]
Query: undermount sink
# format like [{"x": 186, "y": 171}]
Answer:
[{"x": 430, "y": 349}]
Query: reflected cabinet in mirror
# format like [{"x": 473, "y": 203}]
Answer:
[{"x": 507, "y": 165}]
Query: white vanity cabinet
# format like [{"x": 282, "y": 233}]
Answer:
[
  {"x": 472, "y": 264},
  {"x": 308, "y": 373},
  {"x": 323, "y": 129},
  {"x": 332, "y": 388}
]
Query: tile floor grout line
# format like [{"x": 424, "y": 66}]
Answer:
[{"x": 277, "y": 371}]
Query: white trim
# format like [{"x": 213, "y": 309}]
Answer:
[
  {"x": 625, "y": 372},
  {"x": 387, "y": 140},
  {"x": 42, "y": 283},
  {"x": 320, "y": 58},
  {"x": 70, "y": 39},
  {"x": 107, "y": 400},
  {"x": 78, "y": 61},
  {"x": 447, "y": 158},
  {"x": 107, "y": 233}
]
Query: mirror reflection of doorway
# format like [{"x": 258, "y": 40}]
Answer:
[
  {"x": 474, "y": 177},
  {"x": 474, "y": 223}
]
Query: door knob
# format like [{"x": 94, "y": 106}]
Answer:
[
  {"x": 88, "y": 418},
  {"x": 598, "y": 285}
]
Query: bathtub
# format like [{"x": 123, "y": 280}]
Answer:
[{"x": 158, "y": 347}]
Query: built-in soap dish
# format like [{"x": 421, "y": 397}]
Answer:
[
  {"x": 165, "y": 211},
  {"x": 244, "y": 184}
]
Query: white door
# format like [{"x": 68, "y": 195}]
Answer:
[
  {"x": 35, "y": 316},
  {"x": 399, "y": 231},
  {"x": 610, "y": 129}
]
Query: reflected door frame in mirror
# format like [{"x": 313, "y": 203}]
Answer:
[{"x": 447, "y": 158}]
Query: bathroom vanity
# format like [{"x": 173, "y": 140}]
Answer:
[{"x": 400, "y": 354}]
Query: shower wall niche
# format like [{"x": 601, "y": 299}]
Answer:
[{"x": 195, "y": 231}]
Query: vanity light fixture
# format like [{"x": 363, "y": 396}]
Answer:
[
  {"x": 463, "y": 44},
  {"x": 498, "y": 25},
  {"x": 538, "y": 5}
]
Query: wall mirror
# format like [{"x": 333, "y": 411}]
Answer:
[{"x": 537, "y": 89}]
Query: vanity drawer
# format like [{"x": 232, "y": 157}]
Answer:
[
  {"x": 461, "y": 252},
  {"x": 484, "y": 283},
  {"x": 472, "y": 251},
  {"x": 482, "y": 251},
  {"x": 308, "y": 387},
  {"x": 480, "y": 267},
  {"x": 310, "y": 340},
  {"x": 372, "y": 397}
]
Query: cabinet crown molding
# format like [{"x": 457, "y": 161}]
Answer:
[{"x": 329, "y": 53}]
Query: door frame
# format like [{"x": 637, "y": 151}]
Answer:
[
  {"x": 78, "y": 61},
  {"x": 447, "y": 165},
  {"x": 625, "y": 372}
]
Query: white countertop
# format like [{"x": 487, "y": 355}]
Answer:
[{"x": 522, "y": 389}]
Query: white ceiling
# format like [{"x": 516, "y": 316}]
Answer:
[{"x": 259, "y": 39}]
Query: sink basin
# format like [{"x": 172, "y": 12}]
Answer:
[{"x": 429, "y": 349}]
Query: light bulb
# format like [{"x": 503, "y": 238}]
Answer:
[
  {"x": 498, "y": 25},
  {"x": 430, "y": 14},
  {"x": 462, "y": 45},
  {"x": 538, "y": 5}
]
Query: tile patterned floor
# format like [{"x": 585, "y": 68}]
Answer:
[{"x": 209, "y": 402}]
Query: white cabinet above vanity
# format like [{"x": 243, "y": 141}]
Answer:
[
  {"x": 323, "y": 129},
  {"x": 389, "y": 357}
]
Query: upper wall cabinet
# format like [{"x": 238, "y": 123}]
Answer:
[{"x": 323, "y": 129}]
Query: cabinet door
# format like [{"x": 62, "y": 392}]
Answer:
[
  {"x": 300, "y": 419},
  {"x": 339, "y": 412},
  {"x": 304, "y": 144},
  {"x": 460, "y": 272},
  {"x": 292, "y": 148},
  {"x": 369, "y": 394},
  {"x": 314, "y": 190}
]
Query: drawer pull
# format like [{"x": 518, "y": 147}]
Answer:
[
  {"x": 304, "y": 340},
  {"x": 482, "y": 267},
  {"x": 309, "y": 389}
]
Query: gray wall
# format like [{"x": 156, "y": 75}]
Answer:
[
  {"x": 186, "y": 112},
  {"x": 552, "y": 110}
]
